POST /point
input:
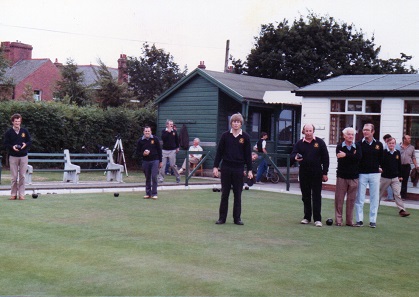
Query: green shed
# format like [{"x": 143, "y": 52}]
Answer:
[{"x": 204, "y": 100}]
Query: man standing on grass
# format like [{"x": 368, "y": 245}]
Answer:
[
  {"x": 170, "y": 149},
  {"x": 149, "y": 148},
  {"x": 311, "y": 152},
  {"x": 391, "y": 174},
  {"x": 407, "y": 152},
  {"x": 369, "y": 175},
  {"x": 235, "y": 151},
  {"x": 348, "y": 154},
  {"x": 17, "y": 141},
  {"x": 260, "y": 147}
]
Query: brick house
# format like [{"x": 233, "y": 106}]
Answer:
[{"x": 38, "y": 74}]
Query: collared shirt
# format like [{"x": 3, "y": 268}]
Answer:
[
  {"x": 151, "y": 136},
  {"x": 305, "y": 140},
  {"x": 240, "y": 132},
  {"x": 349, "y": 147},
  {"x": 391, "y": 152},
  {"x": 365, "y": 140},
  {"x": 197, "y": 148},
  {"x": 407, "y": 154}
]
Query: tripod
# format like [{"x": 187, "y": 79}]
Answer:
[{"x": 120, "y": 156}]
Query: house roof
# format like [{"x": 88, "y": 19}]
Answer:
[
  {"x": 373, "y": 85},
  {"x": 238, "y": 86},
  {"x": 22, "y": 69},
  {"x": 90, "y": 71}
]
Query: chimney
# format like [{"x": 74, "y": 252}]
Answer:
[
  {"x": 122, "y": 69},
  {"x": 16, "y": 51},
  {"x": 58, "y": 64},
  {"x": 202, "y": 65}
]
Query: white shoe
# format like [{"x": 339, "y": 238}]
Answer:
[
  {"x": 305, "y": 222},
  {"x": 318, "y": 224}
]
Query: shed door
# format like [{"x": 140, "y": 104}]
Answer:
[{"x": 288, "y": 130}]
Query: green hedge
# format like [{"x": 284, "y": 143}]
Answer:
[{"x": 57, "y": 126}]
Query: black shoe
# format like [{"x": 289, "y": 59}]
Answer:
[
  {"x": 239, "y": 222},
  {"x": 359, "y": 224},
  {"x": 220, "y": 222},
  {"x": 373, "y": 225}
]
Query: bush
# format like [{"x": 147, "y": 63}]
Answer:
[{"x": 55, "y": 126}]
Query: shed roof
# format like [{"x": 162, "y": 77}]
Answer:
[
  {"x": 238, "y": 86},
  {"x": 378, "y": 84},
  {"x": 22, "y": 69}
]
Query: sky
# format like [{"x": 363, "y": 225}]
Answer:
[{"x": 190, "y": 30}]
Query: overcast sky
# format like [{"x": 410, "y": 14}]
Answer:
[{"x": 190, "y": 30}]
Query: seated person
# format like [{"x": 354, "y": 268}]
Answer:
[{"x": 193, "y": 158}]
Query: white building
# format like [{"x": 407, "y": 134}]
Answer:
[{"x": 389, "y": 101}]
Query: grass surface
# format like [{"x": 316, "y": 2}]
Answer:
[{"x": 97, "y": 245}]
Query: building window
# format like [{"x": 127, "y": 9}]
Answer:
[
  {"x": 37, "y": 95},
  {"x": 411, "y": 121},
  {"x": 353, "y": 113}
]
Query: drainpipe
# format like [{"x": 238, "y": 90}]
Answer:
[{"x": 245, "y": 112}]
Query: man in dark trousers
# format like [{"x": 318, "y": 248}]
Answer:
[
  {"x": 235, "y": 151},
  {"x": 391, "y": 174},
  {"x": 149, "y": 148},
  {"x": 311, "y": 152}
]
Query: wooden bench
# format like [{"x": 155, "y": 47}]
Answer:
[
  {"x": 113, "y": 171},
  {"x": 70, "y": 171}
]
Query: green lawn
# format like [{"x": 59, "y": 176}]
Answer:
[{"x": 99, "y": 245}]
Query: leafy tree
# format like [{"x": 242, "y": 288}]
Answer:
[
  {"x": 109, "y": 93},
  {"x": 152, "y": 73},
  {"x": 71, "y": 85},
  {"x": 27, "y": 93},
  {"x": 314, "y": 49},
  {"x": 6, "y": 88}
]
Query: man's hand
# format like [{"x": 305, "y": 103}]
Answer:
[
  {"x": 250, "y": 174},
  {"x": 215, "y": 172},
  {"x": 325, "y": 178}
]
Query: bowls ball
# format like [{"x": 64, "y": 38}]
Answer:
[
  {"x": 329, "y": 222},
  {"x": 115, "y": 194},
  {"x": 34, "y": 196}
]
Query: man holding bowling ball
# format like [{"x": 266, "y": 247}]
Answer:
[{"x": 17, "y": 141}]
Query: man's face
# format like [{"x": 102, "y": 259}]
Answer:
[
  {"x": 391, "y": 144},
  {"x": 349, "y": 136},
  {"x": 407, "y": 139},
  {"x": 367, "y": 131},
  {"x": 17, "y": 122},
  {"x": 236, "y": 125},
  {"x": 147, "y": 132},
  {"x": 308, "y": 132},
  {"x": 169, "y": 126},
  {"x": 195, "y": 142}
]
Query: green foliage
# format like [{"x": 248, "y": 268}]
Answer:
[
  {"x": 55, "y": 126},
  {"x": 109, "y": 93},
  {"x": 152, "y": 74},
  {"x": 315, "y": 48},
  {"x": 27, "y": 93},
  {"x": 6, "y": 89},
  {"x": 71, "y": 85}
]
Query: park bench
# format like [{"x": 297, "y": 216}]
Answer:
[
  {"x": 70, "y": 171},
  {"x": 113, "y": 171}
]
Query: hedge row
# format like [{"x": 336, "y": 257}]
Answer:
[{"x": 56, "y": 126}]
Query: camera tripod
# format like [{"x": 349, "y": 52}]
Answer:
[{"x": 120, "y": 157}]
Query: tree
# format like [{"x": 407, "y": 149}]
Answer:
[
  {"x": 71, "y": 85},
  {"x": 6, "y": 84},
  {"x": 315, "y": 49},
  {"x": 152, "y": 74},
  {"x": 109, "y": 92}
]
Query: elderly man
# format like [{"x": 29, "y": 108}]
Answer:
[
  {"x": 407, "y": 152},
  {"x": 193, "y": 158},
  {"x": 311, "y": 152},
  {"x": 348, "y": 154},
  {"x": 369, "y": 175}
]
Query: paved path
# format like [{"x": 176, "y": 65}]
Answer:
[{"x": 109, "y": 187}]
